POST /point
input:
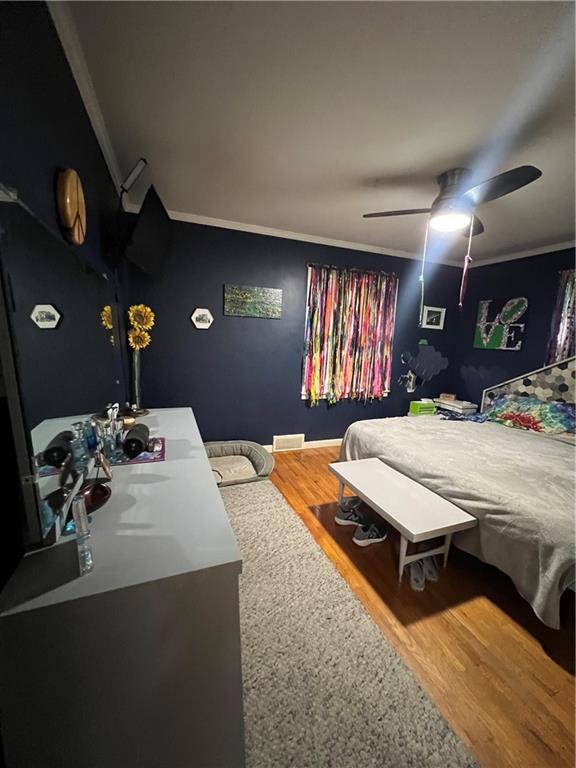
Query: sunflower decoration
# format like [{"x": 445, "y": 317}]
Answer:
[
  {"x": 141, "y": 316},
  {"x": 106, "y": 317},
  {"x": 107, "y": 321},
  {"x": 141, "y": 320},
  {"x": 138, "y": 338}
]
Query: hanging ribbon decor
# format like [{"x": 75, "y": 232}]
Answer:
[
  {"x": 348, "y": 335},
  {"x": 467, "y": 260},
  {"x": 421, "y": 278},
  {"x": 464, "y": 280}
]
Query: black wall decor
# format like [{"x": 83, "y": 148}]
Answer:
[{"x": 426, "y": 362}]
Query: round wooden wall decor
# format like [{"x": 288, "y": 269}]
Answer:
[{"x": 71, "y": 206}]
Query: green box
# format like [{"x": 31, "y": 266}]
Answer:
[{"x": 418, "y": 408}]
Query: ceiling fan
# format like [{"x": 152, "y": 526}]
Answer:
[{"x": 453, "y": 208}]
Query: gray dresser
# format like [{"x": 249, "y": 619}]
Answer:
[{"x": 137, "y": 664}]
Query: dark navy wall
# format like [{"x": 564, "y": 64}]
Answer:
[
  {"x": 242, "y": 377},
  {"x": 536, "y": 278},
  {"x": 44, "y": 125}
]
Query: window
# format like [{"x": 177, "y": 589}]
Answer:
[
  {"x": 561, "y": 343},
  {"x": 349, "y": 331}
]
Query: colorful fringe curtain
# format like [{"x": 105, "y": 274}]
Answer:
[
  {"x": 561, "y": 343},
  {"x": 348, "y": 337}
]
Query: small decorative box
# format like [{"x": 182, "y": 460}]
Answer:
[{"x": 419, "y": 408}]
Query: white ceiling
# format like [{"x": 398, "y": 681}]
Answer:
[{"x": 302, "y": 116}]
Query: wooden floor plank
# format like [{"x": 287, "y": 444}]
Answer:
[{"x": 504, "y": 682}]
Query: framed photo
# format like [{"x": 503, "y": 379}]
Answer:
[
  {"x": 433, "y": 318},
  {"x": 46, "y": 316},
  {"x": 202, "y": 318}
]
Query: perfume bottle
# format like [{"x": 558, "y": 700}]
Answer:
[
  {"x": 111, "y": 450},
  {"x": 78, "y": 445},
  {"x": 119, "y": 441},
  {"x": 90, "y": 438},
  {"x": 85, "y": 559}
]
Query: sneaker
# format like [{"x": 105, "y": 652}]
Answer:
[
  {"x": 369, "y": 534},
  {"x": 430, "y": 568},
  {"x": 349, "y": 517},
  {"x": 417, "y": 579},
  {"x": 351, "y": 502}
]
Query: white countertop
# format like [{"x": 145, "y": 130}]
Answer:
[{"x": 163, "y": 519}]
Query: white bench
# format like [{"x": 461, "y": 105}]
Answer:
[{"x": 416, "y": 512}]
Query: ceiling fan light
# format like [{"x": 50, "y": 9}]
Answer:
[{"x": 450, "y": 221}]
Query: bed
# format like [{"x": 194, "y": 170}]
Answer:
[{"x": 518, "y": 484}]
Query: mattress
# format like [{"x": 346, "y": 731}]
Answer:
[{"x": 518, "y": 484}]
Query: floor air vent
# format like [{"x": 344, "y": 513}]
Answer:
[{"x": 287, "y": 442}]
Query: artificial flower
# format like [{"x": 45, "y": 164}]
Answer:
[
  {"x": 138, "y": 338},
  {"x": 141, "y": 316},
  {"x": 521, "y": 420},
  {"x": 106, "y": 317}
]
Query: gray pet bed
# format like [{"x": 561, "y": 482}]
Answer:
[{"x": 238, "y": 461}]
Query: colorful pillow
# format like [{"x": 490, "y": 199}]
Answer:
[{"x": 550, "y": 417}]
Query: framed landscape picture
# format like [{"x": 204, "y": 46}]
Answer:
[{"x": 251, "y": 301}]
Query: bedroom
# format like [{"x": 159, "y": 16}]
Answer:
[{"x": 269, "y": 130}]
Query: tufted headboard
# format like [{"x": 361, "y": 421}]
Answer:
[{"x": 553, "y": 382}]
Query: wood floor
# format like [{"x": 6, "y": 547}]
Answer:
[{"x": 502, "y": 679}]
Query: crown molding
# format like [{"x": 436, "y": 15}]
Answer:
[
  {"x": 193, "y": 218},
  {"x": 257, "y": 229},
  {"x": 66, "y": 29},
  {"x": 525, "y": 254}
]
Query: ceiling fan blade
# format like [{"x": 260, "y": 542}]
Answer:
[
  {"x": 381, "y": 214},
  {"x": 503, "y": 184},
  {"x": 477, "y": 228}
]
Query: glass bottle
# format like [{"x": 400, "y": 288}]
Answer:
[
  {"x": 85, "y": 559},
  {"x": 90, "y": 438},
  {"x": 78, "y": 445}
]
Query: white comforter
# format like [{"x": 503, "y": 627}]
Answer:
[{"x": 520, "y": 486}]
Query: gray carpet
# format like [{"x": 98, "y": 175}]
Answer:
[{"x": 322, "y": 686}]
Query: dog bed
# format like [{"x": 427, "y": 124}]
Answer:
[{"x": 238, "y": 461}]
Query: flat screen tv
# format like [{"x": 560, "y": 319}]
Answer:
[{"x": 150, "y": 241}]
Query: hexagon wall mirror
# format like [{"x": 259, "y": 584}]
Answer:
[
  {"x": 46, "y": 316},
  {"x": 202, "y": 318}
]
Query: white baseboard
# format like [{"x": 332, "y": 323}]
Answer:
[{"x": 329, "y": 443}]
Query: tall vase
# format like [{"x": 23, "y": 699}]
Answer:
[{"x": 136, "y": 378}]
